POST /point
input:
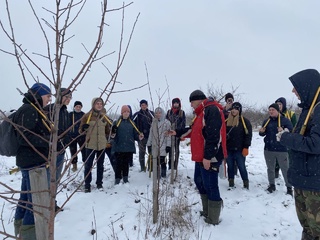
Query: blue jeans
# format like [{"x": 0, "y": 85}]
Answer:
[
  {"x": 21, "y": 212},
  {"x": 59, "y": 167},
  {"x": 90, "y": 154},
  {"x": 236, "y": 156},
  {"x": 207, "y": 182}
]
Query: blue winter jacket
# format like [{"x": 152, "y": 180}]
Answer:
[
  {"x": 304, "y": 164},
  {"x": 270, "y": 139}
]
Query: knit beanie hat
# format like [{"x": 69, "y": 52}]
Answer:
[
  {"x": 40, "y": 89},
  {"x": 64, "y": 92},
  {"x": 238, "y": 106},
  {"x": 143, "y": 101},
  {"x": 227, "y": 96},
  {"x": 125, "y": 108},
  {"x": 275, "y": 106},
  {"x": 175, "y": 100},
  {"x": 197, "y": 95},
  {"x": 77, "y": 103}
]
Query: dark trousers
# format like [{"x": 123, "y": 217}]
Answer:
[
  {"x": 176, "y": 153},
  {"x": 90, "y": 153},
  {"x": 239, "y": 159},
  {"x": 207, "y": 182},
  {"x": 112, "y": 158},
  {"x": 142, "y": 152},
  {"x": 73, "y": 148},
  {"x": 122, "y": 164}
]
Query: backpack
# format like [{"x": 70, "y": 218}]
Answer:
[{"x": 8, "y": 138}]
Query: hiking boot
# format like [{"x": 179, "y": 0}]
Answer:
[
  {"x": 246, "y": 184},
  {"x": 289, "y": 191},
  {"x": 74, "y": 167},
  {"x": 271, "y": 188},
  {"x": 117, "y": 181},
  {"x": 87, "y": 189},
  {"x": 231, "y": 182},
  {"x": 99, "y": 186}
]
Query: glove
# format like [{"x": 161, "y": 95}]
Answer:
[
  {"x": 168, "y": 149},
  {"x": 149, "y": 150},
  {"x": 245, "y": 152},
  {"x": 85, "y": 127},
  {"x": 279, "y": 134}
]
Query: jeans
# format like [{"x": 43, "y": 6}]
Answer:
[
  {"x": 90, "y": 154},
  {"x": 237, "y": 157},
  {"x": 21, "y": 212},
  {"x": 59, "y": 167},
  {"x": 207, "y": 182},
  {"x": 112, "y": 158},
  {"x": 142, "y": 152}
]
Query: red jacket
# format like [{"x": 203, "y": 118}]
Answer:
[{"x": 207, "y": 142}]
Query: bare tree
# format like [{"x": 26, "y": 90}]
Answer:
[{"x": 51, "y": 65}]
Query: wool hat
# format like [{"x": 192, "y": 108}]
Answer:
[
  {"x": 77, "y": 103},
  {"x": 64, "y": 92},
  {"x": 40, "y": 89},
  {"x": 238, "y": 106},
  {"x": 197, "y": 95},
  {"x": 275, "y": 106},
  {"x": 143, "y": 101},
  {"x": 176, "y": 100},
  {"x": 227, "y": 96},
  {"x": 125, "y": 108}
]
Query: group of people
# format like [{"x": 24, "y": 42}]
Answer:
[{"x": 216, "y": 134}]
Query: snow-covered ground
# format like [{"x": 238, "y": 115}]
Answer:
[{"x": 125, "y": 211}]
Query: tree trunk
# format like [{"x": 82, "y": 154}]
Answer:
[
  {"x": 155, "y": 157},
  {"x": 40, "y": 200}
]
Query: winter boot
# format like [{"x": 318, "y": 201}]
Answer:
[
  {"x": 74, "y": 167},
  {"x": 246, "y": 184},
  {"x": 125, "y": 179},
  {"x": 87, "y": 189},
  {"x": 117, "y": 181},
  {"x": 214, "y": 209},
  {"x": 17, "y": 224},
  {"x": 28, "y": 232},
  {"x": 271, "y": 188},
  {"x": 231, "y": 182},
  {"x": 163, "y": 171},
  {"x": 289, "y": 191},
  {"x": 142, "y": 165},
  {"x": 204, "y": 199}
]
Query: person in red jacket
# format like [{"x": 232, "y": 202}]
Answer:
[{"x": 208, "y": 148}]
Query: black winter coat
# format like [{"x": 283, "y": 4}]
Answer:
[
  {"x": 179, "y": 118},
  {"x": 75, "y": 117},
  {"x": 270, "y": 139},
  {"x": 237, "y": 139},
  {"x": 304, "y": 150},
  {"x": 143, "y": 120},
  {"x": 32, "y": 128}
]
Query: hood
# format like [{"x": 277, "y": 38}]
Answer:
[
  {"x": 159, "y": 109},
  {"x": 32, "y": 97},
  {"x": 284, "y": 103},
  {"x": 306, "y": 83},
  {"x": 103, "y": 111}
]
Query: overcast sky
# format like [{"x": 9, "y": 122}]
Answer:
[{"x": 250, "y": 44}]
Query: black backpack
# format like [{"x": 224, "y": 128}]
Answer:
[{"x": 8, "y": 138}]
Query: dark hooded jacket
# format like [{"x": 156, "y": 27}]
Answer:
[
  {"x": 34, "y": 131},
  {"x": 286, "y": 112},
  {"x": 177, "y": 116},
  {"x": 143, "y": 120},
  {"x": 304, "y": 150}
]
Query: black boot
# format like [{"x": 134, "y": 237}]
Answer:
[
  {"x": 246, "y": 184},
  {"x": 289, "y": 191},
  {"x": 231, "y": 182},
  {"x": 271, "y": 188}
]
